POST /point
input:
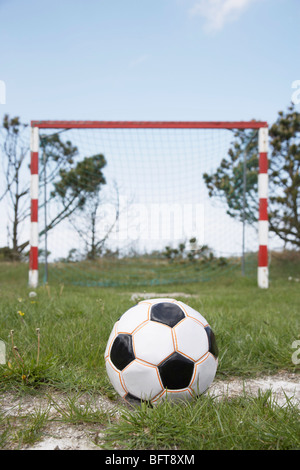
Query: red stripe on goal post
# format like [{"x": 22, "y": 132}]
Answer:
[
  {"x": 34, "y": 210},
  {"x": 263, "y": 162},
  {"x": 263, "y": 256},
  {"x": 33, "y": 258},
  {"x": 263, "y": 209},
  {"x": 34, "y": 164}
]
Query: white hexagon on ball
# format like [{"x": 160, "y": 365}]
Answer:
[
  {"x": 110, "y": 340},
  {"x": 205, "y": 371},
  {"x": 174, "y": 396},
  {"x": 133, "y": 318},
  {"x": 191, "y": 339},
  {"x": 191, "y": 312},
  {"x": 115, "y": 378},
  {"x": 142, "y": 380},
  {"x": 153, "y": 342}
]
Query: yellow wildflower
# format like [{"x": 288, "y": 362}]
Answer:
[{"x": 21, "y": 313}]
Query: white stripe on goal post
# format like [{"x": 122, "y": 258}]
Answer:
[{"x": 34, "y": 193}]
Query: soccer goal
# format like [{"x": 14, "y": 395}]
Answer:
[{"x": 116, "y": 203}]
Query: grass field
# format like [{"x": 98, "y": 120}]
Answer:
[{"x": 56, "y": 340}]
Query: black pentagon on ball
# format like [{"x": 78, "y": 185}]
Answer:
[
  {"x": 122, "y": 353},
  {"x": 212, "y": 344},
  {"x": 166, "y": 312},
  {"x": 176, "y": 371}
]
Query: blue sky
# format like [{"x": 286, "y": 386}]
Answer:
[{"x": 149, "y": 60}]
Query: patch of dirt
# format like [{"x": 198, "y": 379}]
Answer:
[
  {"x": 58, "y": 435},
  {"x": 155, "y": 295},
  {"x": 67, "y": 437},
  {"x": 285, "y": 388}
]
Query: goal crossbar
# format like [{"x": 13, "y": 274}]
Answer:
[
  {"x": 261, "y": 126},
  {"x": 149, "y": 124}
]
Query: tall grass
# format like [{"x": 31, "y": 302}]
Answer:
[
  {"x": 209, "y": 424},
  {"x": 254, "y": 328}
]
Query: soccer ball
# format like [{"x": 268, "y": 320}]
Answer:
[{"x": 161, "y": 348}]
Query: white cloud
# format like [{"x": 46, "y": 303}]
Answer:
[
  {"x": 218, "y": 12},
  {"x": 138, "y": 60}
]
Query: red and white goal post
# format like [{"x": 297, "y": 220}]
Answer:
[{"x": 261, "y": 127}]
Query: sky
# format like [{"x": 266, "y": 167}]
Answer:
[{"x": 148, "y": 60}]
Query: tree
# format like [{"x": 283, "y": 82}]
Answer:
[
  {"x": 285, "y": 177},
  {"x": 226, "y": 182},
  {"x": 72, "y": 183},
  {"x": 95, "y": 214},
  {"x": 76, "y": 186},
  {"x": 15, "y": 190}
]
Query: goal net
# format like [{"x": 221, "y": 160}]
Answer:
[{"x": 122, "y": 203}]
